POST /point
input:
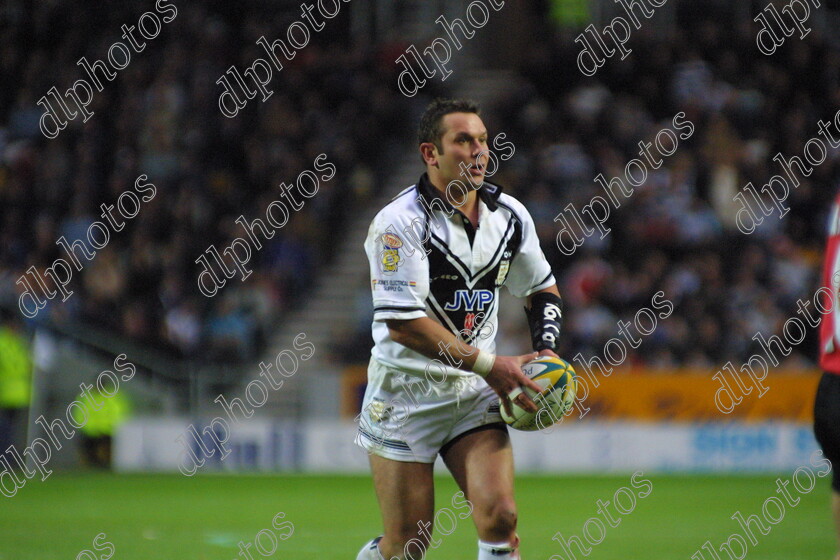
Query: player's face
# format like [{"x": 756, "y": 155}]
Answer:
[{"x": 465, "y": 151}]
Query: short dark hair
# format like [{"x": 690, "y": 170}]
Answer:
[{"x": 431, "y": 123}]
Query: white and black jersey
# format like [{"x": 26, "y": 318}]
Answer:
[{"x": 427, "y": 259}]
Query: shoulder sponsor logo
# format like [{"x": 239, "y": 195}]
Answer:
[
  {"x": 392, "y": 285},
  {"x": 392, "y": 240},
  {"x": 389, "y": 258}
]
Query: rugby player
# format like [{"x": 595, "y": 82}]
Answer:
[
  {"x": 827, "y": 403},
  {"x": 439, "y": 252}
]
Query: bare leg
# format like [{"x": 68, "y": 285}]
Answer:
[
  {"x": 482, "y": 464},
  {"x": 406, "y": 496}
]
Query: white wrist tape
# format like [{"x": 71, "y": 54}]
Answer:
[
  {"x": 484, "y": 363},
  {"x": 515, "y": 393}
]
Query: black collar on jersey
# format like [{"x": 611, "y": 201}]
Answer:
[{"x": 487, "y": 192}]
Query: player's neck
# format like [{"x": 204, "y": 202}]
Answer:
[{"x": 468, "y": 207}]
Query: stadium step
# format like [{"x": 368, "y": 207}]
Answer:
[{"x": 331, "y": 311}]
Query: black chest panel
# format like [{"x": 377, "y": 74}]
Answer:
[{"x": 461, "y": 300}]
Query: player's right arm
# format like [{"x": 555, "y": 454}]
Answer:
[{"x": 430, "y": 338}]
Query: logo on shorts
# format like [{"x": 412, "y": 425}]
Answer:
[
  {"x": 378, "y": 410},
  {"x": 389, "y": 258}
]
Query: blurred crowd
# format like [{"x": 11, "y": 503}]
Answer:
[
  {"x": 677, "y": 232},
  {"x": 160, "y": 117}
]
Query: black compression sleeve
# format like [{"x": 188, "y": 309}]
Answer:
[{"x": 545, "y": 319}]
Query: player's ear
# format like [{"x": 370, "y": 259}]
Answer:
[{"x": 429, "y": 153}]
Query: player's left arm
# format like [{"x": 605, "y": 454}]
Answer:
[
  {"x": 544, "y": 311},
  {"x": 530, "y": 276}
]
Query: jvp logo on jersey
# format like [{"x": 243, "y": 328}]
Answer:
[{"x": 470, "y": 300}]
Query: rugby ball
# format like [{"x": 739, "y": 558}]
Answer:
[{"x": 559, "y": 386}]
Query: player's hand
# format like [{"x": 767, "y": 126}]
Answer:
[
  {"x": 506, "y": 375},
  {"x": 549, "y": 353}
]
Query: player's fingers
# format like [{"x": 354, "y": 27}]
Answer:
[
  {"x": 522, "y": 399},
  {"x": 525, "y": 358},
  {"x": 530, "y": 383},
  {"x": 525, "y": 401},
  {"x": 506, "y": 404}
]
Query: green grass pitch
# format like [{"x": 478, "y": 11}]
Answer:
[{"x": 205, "y": 517}]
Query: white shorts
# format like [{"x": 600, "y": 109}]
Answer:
[{"x": 409, "y": 418}]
